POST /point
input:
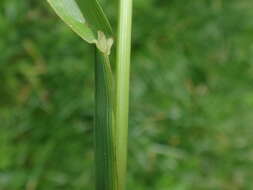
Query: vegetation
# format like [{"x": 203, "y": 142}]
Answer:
[
  {"x": 191, "y": 97},
  {"x": 112, "y": 92}
]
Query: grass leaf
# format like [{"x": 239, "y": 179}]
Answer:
[
  {"x": 95, "y": 15},
  {"x": 90, "y": 22},
  {"x": 86, "y": 24}
]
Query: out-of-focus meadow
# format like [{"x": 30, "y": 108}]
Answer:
[{"x": 191, "y": 116}]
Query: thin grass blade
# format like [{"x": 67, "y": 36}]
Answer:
[
  {"x": 95, "y": 15},
  {"x": 70, "y": 13},
  {"x": 87, "y": 21}
]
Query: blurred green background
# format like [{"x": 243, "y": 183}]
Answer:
[{"x": 191, "y": 110}]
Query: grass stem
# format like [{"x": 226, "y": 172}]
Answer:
[{"x": 122, "y": 86}]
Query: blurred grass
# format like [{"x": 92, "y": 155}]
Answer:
[{"x": 191, "y": 97}]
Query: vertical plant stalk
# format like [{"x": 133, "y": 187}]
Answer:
[
  {"x": 111, "y": 111},
  {"x": 105, "y": 150},
  {"x": 122, "y": 86}
]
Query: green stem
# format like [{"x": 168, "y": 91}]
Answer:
[
  {"x": 122, "y": 86},
  {"x": 105, "y": 149}
]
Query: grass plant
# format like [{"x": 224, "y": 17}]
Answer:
[{"x": 111, "y": 85}]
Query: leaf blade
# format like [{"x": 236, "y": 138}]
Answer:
[
  {"x": 86, "y": 18},
  {"x": 70, "y": 13},
  {"x": 94, "y": 14}
]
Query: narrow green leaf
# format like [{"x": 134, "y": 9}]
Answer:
[
  {"x": 95, "y": 15},
  {"x": 86, "y": 24},
  {"x": 70, "y": 13},
  {"x": 93, "y": 26}
]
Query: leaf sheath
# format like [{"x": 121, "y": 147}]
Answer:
[{"x": 105, "y": 148}]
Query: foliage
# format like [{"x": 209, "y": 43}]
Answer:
[{"x": 191, "y": 101}]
